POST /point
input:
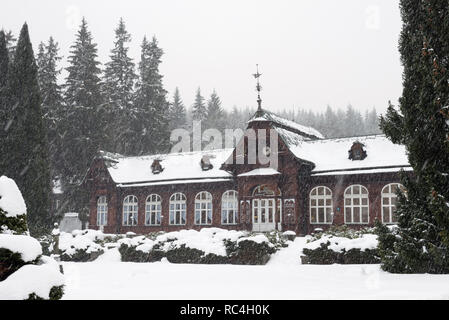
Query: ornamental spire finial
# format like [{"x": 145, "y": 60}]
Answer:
[{"x": 258, "y": 88}]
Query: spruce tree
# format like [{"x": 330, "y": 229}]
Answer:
[
  {"x": 177, "y": 112},
  {"x": 52, "y": 101},
  {"x": 4, "y": 64},
  {"x": 215, "y": 114},
  {"x": 420, "y": 243},
  {"x": 10, "y": 43},
  {"x": 25, "y": 147},
  {"x": 199, "y": 110},
  {"x": 372, "y": 122},
  {"x": 119, "y": 79},
  {"x": 4, "y": 60},
  {"x": 84, "y": 121},
  {"x": 151, "y": 130}
]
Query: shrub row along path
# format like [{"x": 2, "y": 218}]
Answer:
[{"x": 282, "y": 278}]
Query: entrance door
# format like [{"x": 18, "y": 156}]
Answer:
[{"x": 263, "y": 214}]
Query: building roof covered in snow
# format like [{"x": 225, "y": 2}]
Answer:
[
  {"x": 287, "y": 125},
  {"x": 332, "y": 154},
  {"x": 329, "y": 156},
  {"x": 176, "y": 167}
]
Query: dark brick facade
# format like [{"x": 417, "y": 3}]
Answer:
[{"x": 294, "y": 183}]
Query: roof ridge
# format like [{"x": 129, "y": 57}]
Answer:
[
  {"x": 166, "y": 154},
  {"x": 350, "y": 137}
]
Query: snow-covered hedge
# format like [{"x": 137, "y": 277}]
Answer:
[
  {"x": 24, "y": 272},
  {"x": 81, "y": 245},
  {"x": 341, "y": 245},
  {"x": 207, "y": 246},
  {"x": 255, "y": 249}
]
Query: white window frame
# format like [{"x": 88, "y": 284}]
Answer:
[
  {"x": 130, "y": 211},
  {"x": 389, "y": 195},
  {"x": 178, "y": 209},
  {"x": 153, "y": 210},
  {"x": 102, "y": 211},
  {"x": 203, "y": 208},
  {"x": 361, "y": 196},
  {"x": 229, "y": 207},
  {"x": 327, "y": 195}
]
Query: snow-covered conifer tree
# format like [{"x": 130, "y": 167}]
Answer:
[
  {"x": 150, "y": 125},
  {"x": 199, "y": 110},
  {"x": 119, "y": 80},
  {"x": 84, "y": 125},
  {"x": 25, "y": 147},
  {"x": 420, "y": 243},
  {"x": 52, "y": 101},
  {"x": 177, "y": 112},
  {"x": 215, "y": 114}
]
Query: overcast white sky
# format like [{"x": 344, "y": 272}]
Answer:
[{"x": 311, "y": 53}]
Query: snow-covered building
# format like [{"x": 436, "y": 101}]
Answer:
[{"x": 315, "y": 183}]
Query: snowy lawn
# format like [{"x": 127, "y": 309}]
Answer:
[{"x": 282, "y": 278}]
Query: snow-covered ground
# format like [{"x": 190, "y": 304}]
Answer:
[{"x": 282, "y": 278}]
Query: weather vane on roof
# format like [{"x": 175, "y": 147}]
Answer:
[{"x": 258, "y": 88}]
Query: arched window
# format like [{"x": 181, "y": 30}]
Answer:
[
  {"x": 153, "y": 210},
  {"x": 321, "y": 208},
  {"x": 389, "y": 198},
  {"x": 130, "y": 211},
  {"x": 264, "y": 190},
  {"x": 356, "y": 205},
  {"x": 102, "y": 211},
  {"x": 229, "y": 207},
  {"x": 203, "y": 208},
  {"x": 178, "y": 209}
]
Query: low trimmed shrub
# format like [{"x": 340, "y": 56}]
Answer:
[
  {"x": 10, "y": 262},
  {"x": 183, "y": 254},
  {"x": 324, "y": 255},
  {"x": 81, "y": 255},
  {"x": 249, "y": 252},
  {"x": 129, "y": 253},
  {"x": 56, "y": 293}
]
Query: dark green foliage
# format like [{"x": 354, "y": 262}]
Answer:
[
  {"x": 324, "y": 255},
  {"x": 130, "y": 254},
  {"x": 177, "y": 112},
  {"x": 183, "y": 254},
  {"x": 52, "y": 101},
  {"x": 18, "y": 224},
  {"x": 321, "y": 255},
  {"x": 81, "y": 255},
  {"x": 243, "y": 252},
  {"x": 199, "y": 110},
  {"x": 4, "y": 60},
  {"x": 249, "y": 252},
  {"x": 10, "y": 262},
  {"x": 11, "y": 42},
  {"x": 25, "y": 148},
  {"x": 150, "y": 124},
  {"x": 420, "y": 244},
  {"x": 119, "y": 79},
  {"x": 84, "y": 121},
  {"x": 56, "y": 293},
  {"x": 4, "y": 64},
  {"x": 215, "y": 115}
]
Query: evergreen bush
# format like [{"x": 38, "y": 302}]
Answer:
[{"x": 324, "y": 255}]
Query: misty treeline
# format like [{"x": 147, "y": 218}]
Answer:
[
  {"x": 121, "y": 106},
  {"x": 331, "y": 123}
]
